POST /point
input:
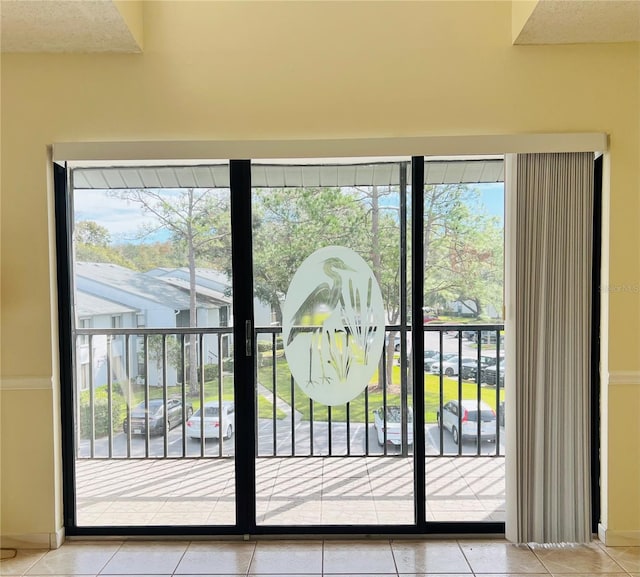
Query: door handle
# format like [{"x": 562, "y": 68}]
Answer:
[{"x": 248, "y": 338}]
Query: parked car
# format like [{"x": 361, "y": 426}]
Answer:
[
  {"x": 430, "y": 356},
  {"x": 490, "y": 375},
  {"x": 213, "y": 424},
  {"x": 501, "y": 413},
  {"x": 465, "y": 413},
  {"x": 393, "y": 425},
  {"x": 435, "y": 358},
  {"x": 159, "y": 419},
  {"x": 451, "y": 365},
  {"x": 487, "y": 337},
  {"x": 469, "y": 370}
]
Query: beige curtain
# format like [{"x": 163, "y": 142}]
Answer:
[{"x": 548, "y": 423}]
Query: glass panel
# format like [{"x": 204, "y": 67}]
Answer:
[
  {"x": 348, "y": 463},
  {"x": 153, "y": 338},
  {"x": 463, "y": 348}
]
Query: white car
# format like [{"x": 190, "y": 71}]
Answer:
[
  {"x": 465, "y": 413},
  {"x": 393, "y": 425},
  {"x": 212, "y": 422},
  {"x": 451, "y": 365}
]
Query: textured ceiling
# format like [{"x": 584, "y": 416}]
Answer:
[
  {"x": 64, "y": 26},
  {"x": 98, "y": 25},
  {"x": 582, "y": 21}
]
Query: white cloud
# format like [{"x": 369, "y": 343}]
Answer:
[{"x": 122, "y": 219}]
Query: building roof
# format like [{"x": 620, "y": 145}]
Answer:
[
  {"x": 88, "y": 305},
  {"x": 141, "y": 285},
  {"x": 202, "y": 290},
  {"x": 205, "y": 277}
]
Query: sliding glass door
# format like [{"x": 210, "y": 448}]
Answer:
[
  {"x": 335, "y": 430},
  {"x": 262, "y": 346},
  {"x": 153, "y": 380}
]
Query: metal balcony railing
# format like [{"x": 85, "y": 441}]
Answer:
[{"x": 119, "y": 373}]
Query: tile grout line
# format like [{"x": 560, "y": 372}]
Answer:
[
  {"x": 110, "y": 558},
  {"x": 465, "y": 557},
  {"x": 181, "y": 557},
  {"x": 530, "y": 548}
]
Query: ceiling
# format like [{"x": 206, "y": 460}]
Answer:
[
  {"x": 582, "y": 21},
  {"x": 64, "y": 26},
  {"x": 99, "y": 25}
]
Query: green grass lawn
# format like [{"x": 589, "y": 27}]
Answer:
[
  {"x": 283, "y": 387},
  {"x": 376, "y": 397},
  {"x": 265, "y": 406}
]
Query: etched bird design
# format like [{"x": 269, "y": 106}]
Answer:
[{"x": 319, "y": 306}]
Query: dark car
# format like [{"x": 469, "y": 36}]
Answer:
[
  {"x": 159, "y": 419},
  {"x": 469, "y": 370},
  {"x": 490, "y": 375}
]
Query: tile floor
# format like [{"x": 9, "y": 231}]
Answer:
[{"x": 273, "y": 558}]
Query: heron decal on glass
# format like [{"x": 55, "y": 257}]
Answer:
[{"x": 333, "y": 325}]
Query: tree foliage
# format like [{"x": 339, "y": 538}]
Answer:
[
  {"x": 463, "y": 250},
  {"x": 89, "y": 232},
  {"x": 290, "y": 224}
]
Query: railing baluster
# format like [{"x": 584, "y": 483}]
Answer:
[
  {"x": 183, "y": 392},
  {"x": 92, "y": 400},
  {"x": 310, "y": 424},
  {"x": 348, "y": 411},
  {"x": 221, "y": 440},
  {"x": 498, "y": 392},
  {"x": 366, "y": 420},
  {"x": 147, "y": 376},
  {"x": 293, "y": 418},
  {"x": 441, "y": 390},
  {"x": 274, "y": 381},
  {"x": 127, "y": 376},
  {"x": 384, "y": 400},
  {"x": 479, "y": 397},
  {"x": 165, "y": 414},
  {"x": 109, "y": 398},
  {"x": 329, "y": 431}
]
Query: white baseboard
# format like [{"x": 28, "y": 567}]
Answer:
[
  {"x": 618, "y": 538},
  {"x": 33, "y": 540}
]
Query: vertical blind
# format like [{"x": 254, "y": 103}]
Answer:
[{"x": 549, "y": 488}]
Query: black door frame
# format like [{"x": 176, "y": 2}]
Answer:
[{"x": 240, "y": 175}]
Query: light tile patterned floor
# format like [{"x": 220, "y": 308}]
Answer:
[
  {"x": 290, "y": 491},
  {"x": 383, "y": 557}
]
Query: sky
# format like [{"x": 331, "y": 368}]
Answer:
[
  {"x": 492, "y": 196},
  {"x": 123, "y": 220}
]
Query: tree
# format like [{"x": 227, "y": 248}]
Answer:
[
  {"x": 462, "y": 249},
  {"x": 91, "y": 244},
  {"x": 197, "y": 220},
  {"x": 290, "y": 224},
  {"x": 384, "y": 256},
  {"x": 92, "y": 233},
  {"x": 149, "y": 255},
  {"x": 164, "y": 350}
]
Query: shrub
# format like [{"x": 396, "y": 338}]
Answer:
[
  {"x": 101, "y": 412},
  {"x": 266, "y": 346}
]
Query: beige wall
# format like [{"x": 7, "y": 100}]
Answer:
[{"x": 242, "y": 70}]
